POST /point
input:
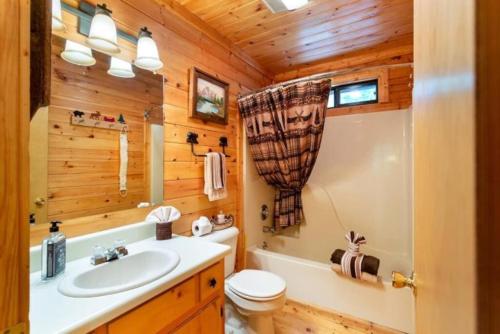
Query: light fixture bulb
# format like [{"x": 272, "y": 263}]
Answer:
[
  {"x": 103, "y": 35},
  {"x": 120, "y": 68},
  {"x": 147, "y": 52},
  {"x": 294, "y": 4},
  {"x": 57, "y": 22},
  {"x": 77, "y": 54}
]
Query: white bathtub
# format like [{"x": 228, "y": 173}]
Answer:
[{"x": 316, "y": 284}]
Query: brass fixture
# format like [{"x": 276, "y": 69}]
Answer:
[
  {"x": 400, "y": 281},
  {"x": 40, "y": 201}
]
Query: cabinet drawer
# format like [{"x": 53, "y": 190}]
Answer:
[
  {"x": 159, "y": 312},
  {"x": 212, "y": 280}
]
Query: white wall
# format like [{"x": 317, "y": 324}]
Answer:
[{"x": 362, "y": 181}]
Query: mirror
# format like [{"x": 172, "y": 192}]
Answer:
[{"x": 94, "y": 124}]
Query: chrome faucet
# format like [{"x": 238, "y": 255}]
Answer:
[
  {"x": 268, "y": 229},
  {"x": 101, "y": 255}
]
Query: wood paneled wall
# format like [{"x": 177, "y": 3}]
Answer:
[
  {"x": 14, "y": 164},
  {"x": 83, "y": 162},
  {"x": 185, "y": 41},
  {"x": 400, "y": 79}
]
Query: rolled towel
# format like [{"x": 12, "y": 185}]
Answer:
[
  {"x": 364, "y": 276},
  {"x": 370, "y": 264},
  {"x": 352, "y": 262},
  {"x": 163, "y": 214}
]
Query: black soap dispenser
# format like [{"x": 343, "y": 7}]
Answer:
[{"x": 53, "y": 252}]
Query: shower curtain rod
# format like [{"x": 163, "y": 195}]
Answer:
[{"x": 323, "y": 75}]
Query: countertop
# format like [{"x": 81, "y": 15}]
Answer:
[{"x": 52, "y": 312}]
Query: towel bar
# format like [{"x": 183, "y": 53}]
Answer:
[{"x": 192, "y": 138}]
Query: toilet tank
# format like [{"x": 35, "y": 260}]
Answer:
[{"x": 228, "y": 236}]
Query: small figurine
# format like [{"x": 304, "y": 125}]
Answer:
[
  {"x": 121, "y": 119},
  {"x": 78, "y": 113},
  {"x": 109, "y": 119},
  {"x": 95, "y": 115}
]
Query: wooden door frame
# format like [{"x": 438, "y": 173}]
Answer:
[
  {"x": 14, "y": 171},
  {"x": 488, "y": 165}
]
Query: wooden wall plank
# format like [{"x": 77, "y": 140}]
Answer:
[
  {"x": 397, "y": 80},
  {"x": 14, "y": 169}
]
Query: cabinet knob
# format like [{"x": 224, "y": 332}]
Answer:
[{"x": 212, "y": 282}]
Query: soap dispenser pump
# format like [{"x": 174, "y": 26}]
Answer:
[{"x": 53, "y": 252}]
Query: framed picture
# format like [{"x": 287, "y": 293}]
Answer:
[{"x": 208, "y": 97}]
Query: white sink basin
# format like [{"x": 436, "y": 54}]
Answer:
[{"x": 127, "y": 273}]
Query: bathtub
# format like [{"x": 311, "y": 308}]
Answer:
[{"x": 314, "y": 283}]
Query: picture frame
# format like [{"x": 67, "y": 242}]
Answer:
[{"x": 208, "y": 97}]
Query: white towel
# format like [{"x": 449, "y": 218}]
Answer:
[
  {"x": 123, "y": 163},
  {"x": 215, "y": 176},
  {"x": 163, "y": 214}
]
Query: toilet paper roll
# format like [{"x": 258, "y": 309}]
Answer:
[{"x": 201, "y": 226}]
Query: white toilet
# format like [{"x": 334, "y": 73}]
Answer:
[{"x": 255, "y": 294}]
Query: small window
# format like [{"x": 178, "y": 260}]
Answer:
[{"x": 353, "y": 94}]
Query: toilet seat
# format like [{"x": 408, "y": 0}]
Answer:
[
  {"x": 248, "y": 307},
  {"x": 256, "y": 285}
]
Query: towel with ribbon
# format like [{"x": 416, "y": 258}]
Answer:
[{"x": 353, "y": 263}]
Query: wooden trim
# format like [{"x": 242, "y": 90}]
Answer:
[
  {"x": 40, "y": 54},
  {"x": 488, "y": 165},
  {"x": 14, "y": 169},
  {"x": 367, "y": 108}
]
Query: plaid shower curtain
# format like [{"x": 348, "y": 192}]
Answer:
[{"x": 284, "y": 127}]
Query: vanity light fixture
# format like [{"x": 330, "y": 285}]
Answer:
[
  {"x": 147, "y": 52},
  {"x": 120, "y": 68},
  {"x": 77, "y": 54},
  {"x": 102, "y": 34},
  {"x": 57, "y": 22}
]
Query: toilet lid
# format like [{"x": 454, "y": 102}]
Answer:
[{"x": 257, "y": 284}]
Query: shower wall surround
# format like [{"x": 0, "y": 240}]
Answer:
[{"x": 362, "y": 181}]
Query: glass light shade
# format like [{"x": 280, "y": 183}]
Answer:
[
  {"x": 57, "y": 22},
  {"x": 294, "y": 4},
  {"x": 102, "y": 35},
  {"x": 77, "y": 54},
  {"x": 147, "y": 52},
  {"x": 120, "y": 68}
]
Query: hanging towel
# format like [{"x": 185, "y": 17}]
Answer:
[
  {"x": 215, "y": 176},
  {"x": 123, "y": 163}
]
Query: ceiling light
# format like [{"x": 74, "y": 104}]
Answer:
[
  {"x": 57, "y": 22},
  {"x": 120, "y": 68},
  {"x": 294, "y": 4},
  {"x": 147, "y": 52},
  {"x": 77, "y": 54},
  {"x": 102, "y": 35}
]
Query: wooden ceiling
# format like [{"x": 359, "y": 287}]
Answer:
[{"x": 322, "y": 29}]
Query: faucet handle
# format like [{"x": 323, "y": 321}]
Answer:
[
  {"x": 98, "y": 255},
  {"x": 119, "y": 247}
]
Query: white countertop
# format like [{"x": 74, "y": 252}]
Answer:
[{"x": 52, "y": 312}]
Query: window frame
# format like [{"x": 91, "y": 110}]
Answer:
[{"x": 337, "y": 89}]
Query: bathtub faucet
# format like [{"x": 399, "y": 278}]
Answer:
[{"x": 268, "y": 229}]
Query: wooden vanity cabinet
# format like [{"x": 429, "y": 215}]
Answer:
[{"x": 193, "y": 306}]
